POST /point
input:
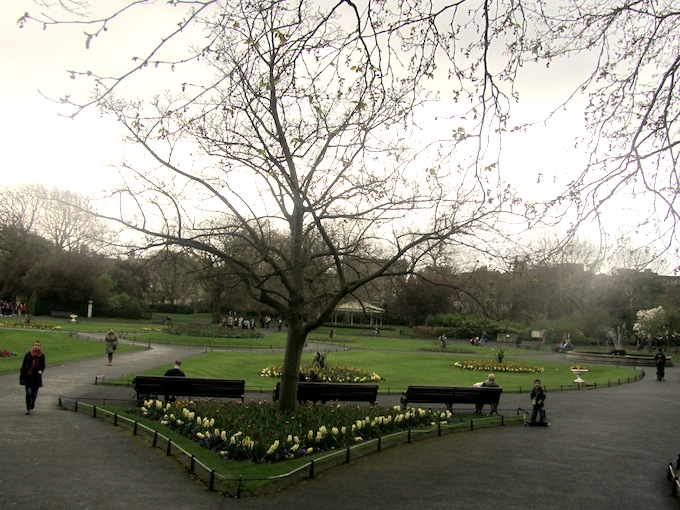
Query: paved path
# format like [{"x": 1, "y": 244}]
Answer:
[{"x": 606, "y": 449}]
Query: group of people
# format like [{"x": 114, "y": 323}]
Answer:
[
  {"x": 537, "y": 400},
  {"x": 483, "y": 341},
  {"x": 9, "y": 308}
]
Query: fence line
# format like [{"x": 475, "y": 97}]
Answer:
[
  {"x": 671, "y": 475},
  {"x": 235, "y": 486}
]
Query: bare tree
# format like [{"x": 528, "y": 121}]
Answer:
[
  {"x": 296, "y": 123},
  {"x": 63, "y": 217},
  {"x": 633, "y": 109}
]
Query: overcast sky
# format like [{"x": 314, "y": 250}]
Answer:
[{"x": 40, "y": 146}]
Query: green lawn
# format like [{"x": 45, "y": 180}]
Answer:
[
  {"x": 399, "y": 369},
  {"x": 398, "y": 359},
  {"x": 58, "y": 347}
]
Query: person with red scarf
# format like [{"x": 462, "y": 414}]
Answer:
[{"x": 31, "y": 374}]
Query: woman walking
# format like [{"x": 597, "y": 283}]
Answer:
[
  {"x": 111, "y": 340},
  {"x": 31, "y": 373}
]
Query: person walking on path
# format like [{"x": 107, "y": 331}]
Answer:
[
  {"x": 537, "y": 402},
  {"x": 31, "y": 373},
  {"x": 660, "y": 360},
  {"x": 111, "y": 340}
]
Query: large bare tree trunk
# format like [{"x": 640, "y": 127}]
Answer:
[{"x": 291, "y": 365}]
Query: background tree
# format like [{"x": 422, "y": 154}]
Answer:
[
  {"x": 651, "y": 323},
  {"x": 632, "y": 110}
]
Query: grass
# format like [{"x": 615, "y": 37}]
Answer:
[
  {"x": 398, "y": 369},
  {"x": 398, "y": 359},
  {"x": 58, "y": 347}
]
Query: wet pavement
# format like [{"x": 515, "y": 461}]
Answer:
[{"x": 605, "y": 448}]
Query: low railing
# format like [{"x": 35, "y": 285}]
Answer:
[
  {"x": 234, "y": 486},
  {"x": 672, "y": 476}
]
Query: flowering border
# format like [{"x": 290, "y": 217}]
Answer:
[
  {"x": 495, "y": 366},
  {"x": 258, "y": 432}
]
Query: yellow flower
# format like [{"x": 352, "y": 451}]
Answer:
[{"x": 273, "y": 447}]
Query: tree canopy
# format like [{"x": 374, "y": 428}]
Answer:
[{"x": 291, "y": 132}]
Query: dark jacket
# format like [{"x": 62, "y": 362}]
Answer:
[
  {"x": 34, "y": 379},
  {"x": 538, "y": 396}
]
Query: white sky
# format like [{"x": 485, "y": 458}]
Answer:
[{"x": 40, "y": 146}]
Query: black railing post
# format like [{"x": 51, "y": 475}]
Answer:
[
  {"x": 168, "y": 450},
  {"x": 115, "y": 419},
  {"x": 311, "y": 469},
  {"x": 347, "y": 455},
  {"x": 238, "y": 489},
  {"x": 94, "y": 411},
  {"x": 155, "y": 438},
  {"x": 211, "y": 487},
  {"x": 379, "y": 443}
]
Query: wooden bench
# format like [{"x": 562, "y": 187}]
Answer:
[
  {"x": 199, "y": 322},
  {"x": 149, "y": 386},
  {"x": 328, "y": 392},
  {"x": 61, "y": 315},
  {"x": 450, "y": 395},
  {"x": 529, "y": 344}
]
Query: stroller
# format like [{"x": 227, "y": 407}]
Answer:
[{"x": 543, "y": 422}]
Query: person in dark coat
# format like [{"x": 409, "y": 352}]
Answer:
[
  {"x": 175, "y": 371},
  {"x": 660, "y": 360},
  {"x": 537, "y": 402},
  {"x": 31, "y": 373}
]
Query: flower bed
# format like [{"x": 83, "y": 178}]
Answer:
[
  {"x": 258, "y": 432},
  {"x": 488, "y": 365},
  {"x": 335, "y": 373},
  {"x": 30, "y": 325}
]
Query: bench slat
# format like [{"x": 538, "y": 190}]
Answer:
[
  {"x": 449, "y": 395},
  {"x": 188, "y": 386}
]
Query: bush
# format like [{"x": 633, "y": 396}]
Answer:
[{"x": 124, "y": 306}]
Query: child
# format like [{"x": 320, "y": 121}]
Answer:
[{"x": 537, "y": 401}]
